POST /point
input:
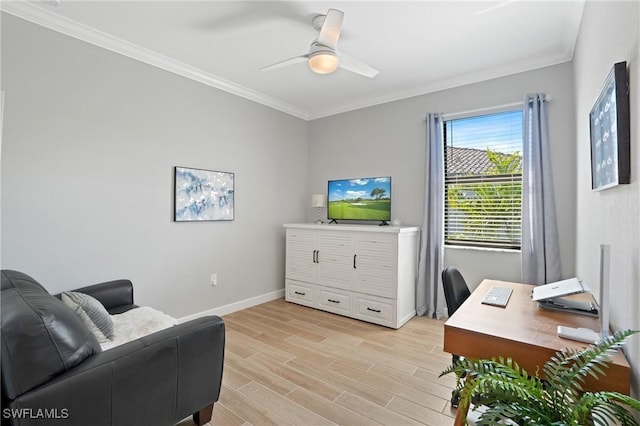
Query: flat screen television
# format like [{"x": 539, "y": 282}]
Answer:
[{"x": 359, "y": 199}]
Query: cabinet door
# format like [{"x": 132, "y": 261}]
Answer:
[
  {"x": 301, "y": 255},
  {"x": 375, "y": 261},
  {"x": 334, "y": 259}
]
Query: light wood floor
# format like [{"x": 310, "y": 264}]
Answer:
[{"x": 286, "y": 364}]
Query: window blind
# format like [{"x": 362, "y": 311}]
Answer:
[{"x": 483, "y": 180}]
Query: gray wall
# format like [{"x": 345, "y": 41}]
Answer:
[
  {"x": 610, "y": 216},
  {"x": 90, "y": 142},
  {"x": 389, "y": 139}
]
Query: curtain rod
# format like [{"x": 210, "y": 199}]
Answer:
[{"x": 487, "y": 110}]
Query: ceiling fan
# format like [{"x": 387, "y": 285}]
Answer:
[{"x": 323, "y": 56}]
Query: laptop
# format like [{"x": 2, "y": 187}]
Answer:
[
  {"x": 566, "y": 304},
  {"x": 558, "y": 289}
]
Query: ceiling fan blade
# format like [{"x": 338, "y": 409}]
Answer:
[
  {"x": 354, "y": 65},
  {"x": 285, "y": 63},
  {"x": 330, "y": 31}
]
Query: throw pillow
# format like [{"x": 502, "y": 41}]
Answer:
[{"x": 92, "y": 313}]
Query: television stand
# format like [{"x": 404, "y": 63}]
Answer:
[
  {"x": 363, "y": 272},
  {"x": 384, "y": 223},
  {"x": 333, "y": 221}
]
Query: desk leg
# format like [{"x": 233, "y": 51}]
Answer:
[
  {"x": 462, "y": 412},
  {"x": 458, "y": 420}
]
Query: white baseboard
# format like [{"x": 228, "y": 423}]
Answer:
[
  {"x": 236, "y": 306},
  {"x": 406, "y": 318}
]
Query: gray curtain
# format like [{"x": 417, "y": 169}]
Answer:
[
  {"x": 430, "y": 293},
  {"x": 540, "y": 251}
]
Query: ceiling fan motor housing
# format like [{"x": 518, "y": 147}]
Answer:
[{"x": 317, "y": 22}]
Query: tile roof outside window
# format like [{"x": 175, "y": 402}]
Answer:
[{"x": 467, "y": 161}]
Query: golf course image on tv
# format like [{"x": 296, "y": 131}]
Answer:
[{"x": 359, "y": 199}]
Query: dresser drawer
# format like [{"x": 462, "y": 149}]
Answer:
[
  {"x": 299, "y": 293},
  {"x": 334, "y": 301},
  {"x": 375, "y": 309}
]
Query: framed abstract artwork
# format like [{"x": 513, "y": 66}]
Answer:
[
  {"x": 609, "y": 130},
  {"x": 202, "y": 195}
]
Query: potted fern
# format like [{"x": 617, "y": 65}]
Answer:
[{"x": 509, "y": 392}]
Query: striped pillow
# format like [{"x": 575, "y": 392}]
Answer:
[{"x": 92, "y": 313}]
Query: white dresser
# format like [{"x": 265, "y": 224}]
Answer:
[{"x": 366, "y": 272}]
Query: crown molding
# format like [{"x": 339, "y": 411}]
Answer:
[
  {"x": 449, "y": 83},
  {"x": 53, "y": 21}
]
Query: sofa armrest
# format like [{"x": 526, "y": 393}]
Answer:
[
  {"x": 114, "y": 295},
  {"x": 158, "y": 379}
]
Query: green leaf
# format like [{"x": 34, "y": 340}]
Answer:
[{"x": 510, "y": 392}]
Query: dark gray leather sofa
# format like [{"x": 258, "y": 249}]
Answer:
[{"x": 54, "y": 372}]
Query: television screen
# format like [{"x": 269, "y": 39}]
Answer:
[{"x": 359, "y": 199}]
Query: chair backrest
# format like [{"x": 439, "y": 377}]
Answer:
[
  {"x": 41, "y": 336},
  {"x": 455, "y": 288}
]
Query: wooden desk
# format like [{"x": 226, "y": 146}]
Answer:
[{"x": 523, "y": 332}]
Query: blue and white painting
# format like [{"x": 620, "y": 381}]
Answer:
[
  {"x": 203, "y": 195},
  {"x": 604, "y": 138}
]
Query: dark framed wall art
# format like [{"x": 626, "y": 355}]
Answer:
[
  {"x": 609, "y": 129},
  {"x": 202, "y": 195}
]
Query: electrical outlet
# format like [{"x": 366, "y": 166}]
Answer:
[{"x": 214, "y": 279}]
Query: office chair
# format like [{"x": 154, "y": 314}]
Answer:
[
  {"x": 455, "y": 288},
  {"x": 455, "y": 293}
]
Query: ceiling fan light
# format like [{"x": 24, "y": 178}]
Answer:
[{"x": 323, "y": 62}]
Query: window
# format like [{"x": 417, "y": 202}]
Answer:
[{"x": 483, "y": 180}]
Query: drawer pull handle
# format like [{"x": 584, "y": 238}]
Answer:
[
  {"x": 354, "y": 261},
  {"x": 377, "y": 311},
  {"x": 333, "y": 301},
  {"x": 300, "y": 293}
]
